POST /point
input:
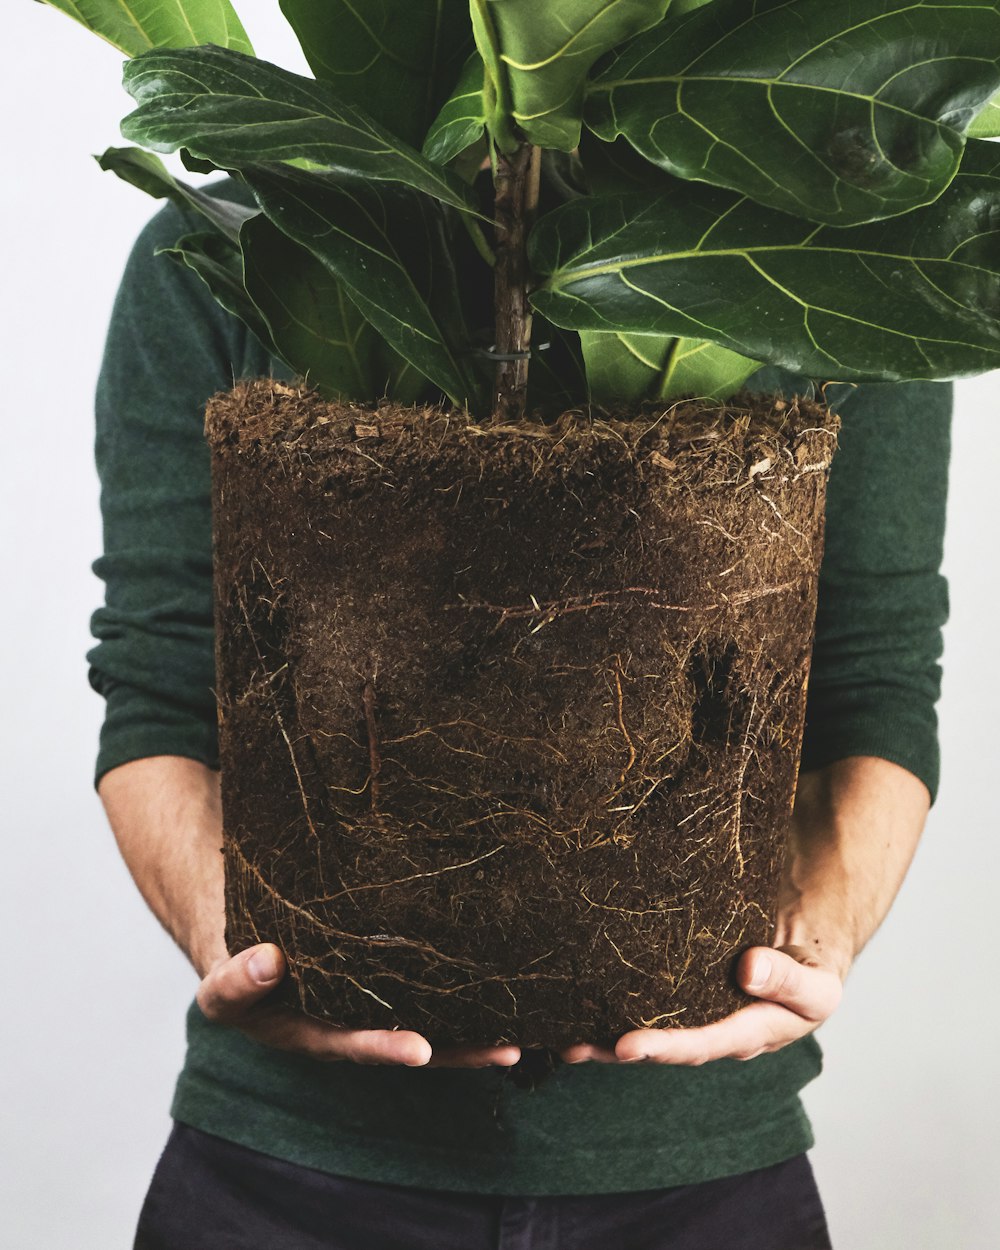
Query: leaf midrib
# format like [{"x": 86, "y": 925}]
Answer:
[
  {"x": 683, "y": 79},
  {"x": 748, "y": 254},
  {"x": 839, "y": 34},
  {"x": 533, "y": 66}
]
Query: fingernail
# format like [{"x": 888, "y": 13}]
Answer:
[
  {"x": 264, "y": 966},
  {"x": 634, "y": 1059},
  {"x": 760, "y": 974}
]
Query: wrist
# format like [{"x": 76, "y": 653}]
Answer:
[
  {"x": 814, "y": 943},
  {"x": 205, "y": 946},
  {"x": 852, "y": 835}
]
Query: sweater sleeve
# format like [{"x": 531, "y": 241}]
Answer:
[
  {"x": 169, "y": 347},
  {"x": 882, "y": 599}
]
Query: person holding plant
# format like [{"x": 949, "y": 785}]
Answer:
[
  {"x": 370, "y": 1138},
  {"x": 685, "y": 199}
]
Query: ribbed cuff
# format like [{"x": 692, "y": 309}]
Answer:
[
  {"x": 138, "y": 725},
  {"x": 899, "y": 735}
]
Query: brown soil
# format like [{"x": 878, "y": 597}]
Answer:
[{"x": 511, "y": 716}]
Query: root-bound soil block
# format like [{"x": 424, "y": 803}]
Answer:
[{"x": 511, "y": 716}]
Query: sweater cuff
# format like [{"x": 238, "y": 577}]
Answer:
[
  {"x": 861, "y": 724},
  {"x": 138, "y": 725}
]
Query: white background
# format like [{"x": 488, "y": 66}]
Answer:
[{"x": 906, "y": 1114}]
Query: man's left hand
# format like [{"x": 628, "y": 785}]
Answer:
[{"x": 796, "y": 993}]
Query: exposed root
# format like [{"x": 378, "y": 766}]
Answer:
[
  {"x": 270, "y": 679},
  {"x": 374, "y": 758}
]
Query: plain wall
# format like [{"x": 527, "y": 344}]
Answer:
[{"x": 906, "y": 1112}]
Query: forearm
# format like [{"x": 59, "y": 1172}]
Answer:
[
  {"x": 166, "y": 815},
  {"x": 856, "y": 826}
]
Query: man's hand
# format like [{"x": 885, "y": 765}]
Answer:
[
  {"x": 797, "y": 994},
  {"x": 166, "y": 815},
  {"x": 235, "y": 991},
  {"x": 852, "y": 836}
]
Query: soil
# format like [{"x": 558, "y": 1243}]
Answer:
[{"x": 510, "y": 715}]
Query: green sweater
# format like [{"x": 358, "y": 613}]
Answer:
[{"x": 589, "y": 1128}]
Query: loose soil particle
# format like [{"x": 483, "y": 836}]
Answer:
[{"x": 510, "y": 716}]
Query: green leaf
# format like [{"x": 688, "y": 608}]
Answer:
[
  {"x": 539, "y": 54},
  {"x": 986, "y": 125},
  {"x": 133, "y": 26},
  {"x": 624, "y": 369},
  {"x": 462, "y": 120},
  {"x": 314, "y": 325},
  {"x": 397, "y": 58},
  {"x": 703, "y": 369},
  {"x": 839, "y": 113},
  {"x": 148, "y": 173},
  {"x": 315, "y": 328},
  {"x": 391, "y": 248},
  {"x": 915, "y": 297},
  {"x": 234, "y": 110},
  {"x": 286, "y": 297},
  {"x": 217, "y": 260},
  {"x": 282, "y": 293}
]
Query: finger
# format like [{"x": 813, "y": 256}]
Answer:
[
  {"x": 583, "y": 1052},
  {"x": 783, "y": 976},
  {"x": 233, "y": 985},
  {"x": 290, "y": 1030},
  {"x": 474, "y": 1056},
  {"x": 743, "y": 1035}
]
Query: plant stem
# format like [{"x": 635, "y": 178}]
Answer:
[{"x": 516, "y": 200}]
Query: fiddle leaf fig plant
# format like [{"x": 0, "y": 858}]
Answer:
[{"x": 679, "y": 192}]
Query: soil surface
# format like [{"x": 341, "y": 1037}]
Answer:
[{"x": 510, "y": 716}]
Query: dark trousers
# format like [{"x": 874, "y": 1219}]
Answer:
[{"x": 208, "y": 1194}]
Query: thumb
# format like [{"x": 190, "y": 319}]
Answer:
[
  {"x": 233, "y": 985},
  {"x": 789, "y": 976}
]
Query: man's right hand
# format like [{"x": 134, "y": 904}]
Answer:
[
  {"x": 166, "y": 815},
  {"x": 235, "y": 991}
]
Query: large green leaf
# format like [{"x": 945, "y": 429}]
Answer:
[
  {"x": 313, "y": 323},
  {"x": 841, "y": 113},
  {"x": 282, "y": 293},
  {"x": 391, "y": 249},
  {"x": 397, "y": 58},
  {"x": 148, "y": 173},
  {"x": 628, "y": 368},
  {"x": 296, "y": 308},
  {"x": 133, "y": 26},
  {"x": 917, "y": 296},
  {"x": 462, "y": 119},
  {"x": 234, "y": 110},
  {"x": 540, "y": 54}
]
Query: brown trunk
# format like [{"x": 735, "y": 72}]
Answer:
[
  {"x": 516, "y": 191},
  {"x": 511, "y": 715}
]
